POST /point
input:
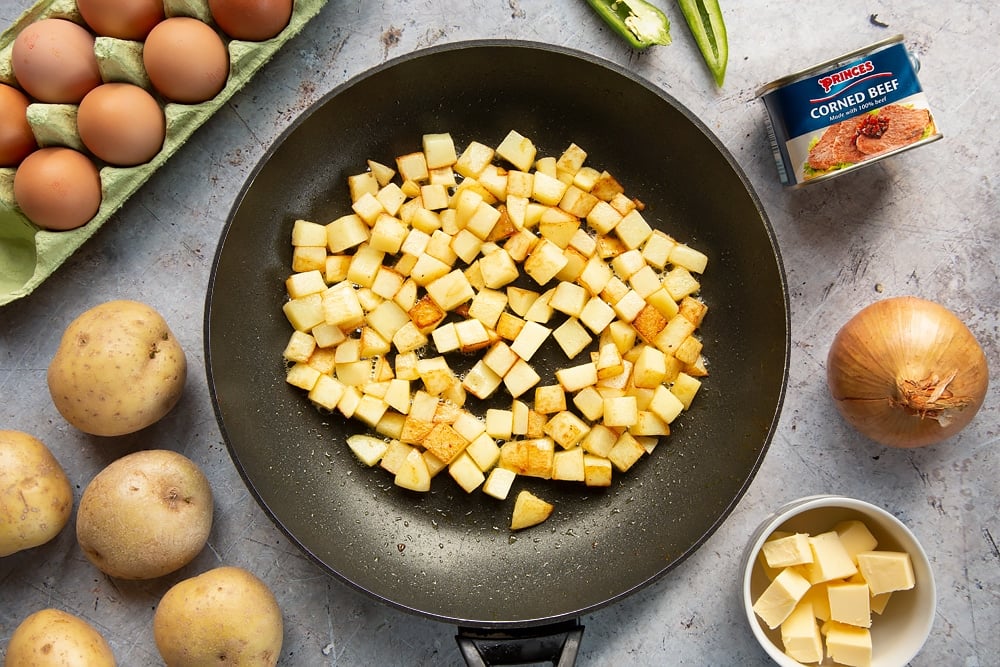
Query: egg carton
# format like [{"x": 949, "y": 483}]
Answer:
[{"x": 30, "y": 254}]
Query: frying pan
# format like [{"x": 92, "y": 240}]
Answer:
[{"x": 448, "y": 555}]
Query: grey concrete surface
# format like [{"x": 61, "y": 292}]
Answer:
[{"x": 926, "y": 222}]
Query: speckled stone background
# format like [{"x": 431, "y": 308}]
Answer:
[{"x": 923, "y": 223}]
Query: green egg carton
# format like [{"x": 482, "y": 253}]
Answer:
[{"x": 29, "y": 254}]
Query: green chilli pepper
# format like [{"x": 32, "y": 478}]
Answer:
[
  {"x": 704, "y": 18},
  {"x": 638, "y": 22}
]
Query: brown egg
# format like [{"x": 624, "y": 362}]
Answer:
[
  {"x": 124, "y": 19},
  {"x": 16, "y": 137},
  {"x": 251, "y": 20},
  {"x": 186, "y": 60},
  {"x": 58, "y": 188},
  {"x": 54, "y": 61},
  {"x": 121, "y": 124}
]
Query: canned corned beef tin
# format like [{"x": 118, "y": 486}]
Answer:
[{"x": 846, "y": 113}]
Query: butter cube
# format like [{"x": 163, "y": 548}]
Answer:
[
  {"x": 771, "y": 572},
  {"x": 800, "y": 634},
  {"x": 780, "y": 597},
  {"x": 855, "y": 537},
  {"x": 876, "y": 602},
  {"x": 886, "y": 571},
  {"x": 850, "y": 603},
  {"x": 820, "y": 601},
  {"x": 830, "y": 559},
  {"x": 848, "y": 644},
  {"x": 786, "y": 551}
]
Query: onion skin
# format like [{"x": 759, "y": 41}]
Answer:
[{"x": 907, "y": 372}]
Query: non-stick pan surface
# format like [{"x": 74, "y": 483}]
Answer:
[{"x": 446, "y": 554}]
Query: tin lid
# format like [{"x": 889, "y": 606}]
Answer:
[{"x": 832, "y": 63}]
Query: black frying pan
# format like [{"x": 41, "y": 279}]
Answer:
[{"x": 448, "y": 555}]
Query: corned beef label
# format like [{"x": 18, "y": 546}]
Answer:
[{"x": 840, "y": 114}]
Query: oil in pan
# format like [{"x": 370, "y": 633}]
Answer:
[{"x": 847, "y": 112}]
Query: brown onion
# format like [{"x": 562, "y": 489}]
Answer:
[{"x": 907, "y": 372}]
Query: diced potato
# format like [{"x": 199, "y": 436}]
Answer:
[
  {"x": 465, "y": 471},
  {"x": 568, "y": 298},
  {"x": 541, "y": 310},
  {"x": 596, "y": 314},
  {"x": 626, "y": 452},
  {"x": 620, "y": 411},
  {"x": 484, "y": 451},
  {"x": 576, "y": 378},
  {"x": 679, "y": 283},
  {"x": 544, "y": 262},
  {"x": 451, "y": 290},
  {"x": 529, "y": 510},
  {"x": 413, "y": 167},
  {"x": 665, "y": 404},
  {"x": 368, "y": 449},
  {"x": 444, "y": 442},
  {"x": 498, "y": 269},
  {"x": 518, "y": 150},
  {"x": 590, "y": 403},
  {"x": 408, "y": 338},
  {"x": 597, "y": 470},
  {"x": 572, "y": 337},
  {"x": 439, "y": 150},
  {"x": 566, "y": 429},
  {"x": 684, "y": 388},
  {"x": 412, "y": 473},
  {"x": 394, "y": 456},
  {"x": 530, "y": 338},
  {"x": 300, "y": 347},
  {"x": 531, "y": 458},
  {"x": 509, "y": 326},
  {"x": 499, "y": 482},
  {"x": 361, "y": 184},
  {"x": 649, "y": 424},
  {"x": 499, "y": 423},
  {"x": 474, "y": 159},
  {"x": 391, "y": 196},
  {"x": 568, "y": 465},
  {"x": 687, "y": 257}
]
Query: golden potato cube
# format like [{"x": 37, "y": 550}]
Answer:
[
  {"x": 481, "y": 381},
  {"x": 413, "y": 473},
  {"x": 498, "y": 269},
  {"x": 547, "y": 190},
  {"x": 387, "y": 282},
  {"x": 585, "y": 178},
  {"x": 693, "y": 310},
  {"x": 445, "y": 338},
  {"x": 499, "y": 423},
  {"x": 541, "y": 310},
  {"x": 367, "y": 448},
  {"x": 627, "y": 263},
  {"x": 499, "y": 482},
  {"x": 614, "y": 291},
  {"x": 483, "y": 220},
  {"x": 361, "y": 184},
  {"x": 487, "y": 305},
  {"x": 426, "y": 314},
  {"x": 606, "y": 187},
  {"x": 394, "y": 456},
  {"x": 444, "y": 442},
  {"x": 620, "y": 411},
  {"x": 307, "y": 233},
  {"x": 663, "y": 302},
  {"x": 303, "y": 284},
  {"x": 341, "y": 306},
  {"x": 509, "y": 326},
  {"x": 391, "y": 196},
  {"x": 575, "y": 263},
  {"x": 303, "y": 376},
  {"x": 531, "y": 458},
  {"x": 484, "y": 451},
  {"x": 566, "y": 429},
  {"x": 382, "y": 173},
  {"x": 434, "y": 197},
  {"x": 609, "y": 361},
  {"x": 518, "y": 150},
  {"x": 603, "y": 218},
  {"x": 649, "y": 323},
  {"x": 427, "y": 269},
  {"x": 575, "y": 378},
  {"x": 589, "y": 402},
  {"x": 328, "y": 335},
  {"x": 413, "y": 167},
  {"x": 423, "y": 406},
  {"x": 520, "y": 378},
  {"x": 530, "y": 338},
  {"x": 596, "y": 470},
  {"x": 364, "y": 265},
  {"x": 645, "y": 281},
  {"x": 544, "y": 262},
  {"x": 623, "y": 335},
  {"x": 367, "y": 208},
  {"x": 557, "y": 226},
  {"x": 520, "y": 245},
  {"x": 626, "y": 452},
  {"x": 335, "y": 268},
  {"x": 572, "y": 337},
  {"x": 520, "y": 183},
  {"x": 569, "y": 298},
  {"x": 408, "y": 338},
  {"x": 474, "y": 159},
  {"x": 609, "y": 247},
  {"x": 550, "y": 399},
  {"x": 583, "y": 243},
  {"x": 599, "y": 440},
  {"x": 466, "y": 245},
  {"x": 572, "y": 159},
  {"x": 595, "y": 276},
  {"x": 568, "y": 465},
  {"x": 309, "y": 258},
  {"x": 391, "y": 424},
  {"x": 679, "y": 283},
  {"x": 465, "y": 471},
  {"x": 387, "y": 318},
  {"x": 673, "y": 334},
  {"x": 472, "y": 335},
  {"x": 547, "y": 166},
  {"x": 425, "y": 220},
  {"x": 698, "y": 369},
  {"x": 349, "y": 401},
  {"x": 649, "y": 368},
  {"x": 529, "y": 510},
  {"x": 439, "y": 246},
  {"x": 370, "y": 409},
  {"x": 577, "y": 202},
  {"x": 649, "y": 424},
  {"x": 688, "y": 351},
  {"x": 439, "y": 150},
  {"x": 373, "y": 344},
  {"x": 656, "y": 249},
  {"x": 450, "y": 290},
  {"x": 665, "y": 404},
  {"x": 629, "y": 306},
  {"x": 684, "y": 388},
  {"x": 687, "y": 257},
  {"x": 633, "y": 230},
  {"x": 494, "y": 179}
]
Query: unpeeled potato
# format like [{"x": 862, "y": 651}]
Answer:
[
  {"x": 36, "y": 499},
  {"x": 55, "y": 638},
  {"x": 145, "y": 515},
  {"x": 118, "y": 369},
  {"x": 225, "y": 616}
]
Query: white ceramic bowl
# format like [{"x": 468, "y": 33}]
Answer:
[{"x": 897, "y": 634}]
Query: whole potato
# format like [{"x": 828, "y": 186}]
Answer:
[
  {"x": 145, "y": 515},
  {"x": 118, "y": 369},
  {"x": 36, "y": 498},
  {"x": 225, "y": 616},
  {"x": 55, "y": 638}
]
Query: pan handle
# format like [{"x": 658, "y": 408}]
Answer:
[{"x": 557, "y": 643}]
